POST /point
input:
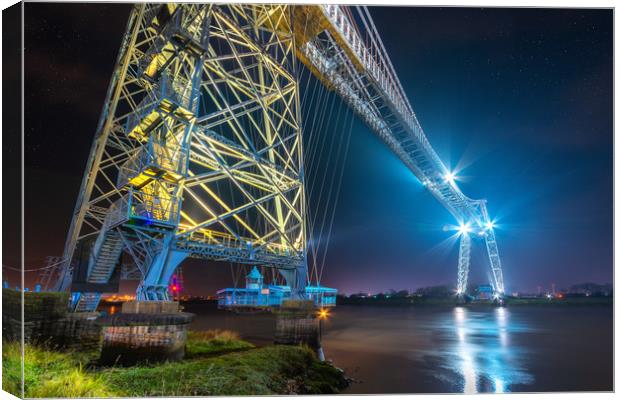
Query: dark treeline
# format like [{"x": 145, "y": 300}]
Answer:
[{"x": 445, "y": 294}]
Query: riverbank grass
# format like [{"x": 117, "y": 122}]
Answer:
[
  {"x": 265, "y": 371},
  {"x": 49, "y": 373},
  {"x": 217, "y": 363},
  {"x": 214, "y": 342}
]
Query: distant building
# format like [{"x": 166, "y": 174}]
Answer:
[
  {"x": 256, "y": 294},
  {"x": 591, "y": 289}
]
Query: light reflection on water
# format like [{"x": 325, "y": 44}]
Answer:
[
  {"x": 480, "y": 351},
  {"x": 450, "y": 350}
]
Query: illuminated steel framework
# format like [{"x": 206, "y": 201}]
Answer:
[
  {"x": 349, "y": 56},
  {"x": 198, "y": 152}
]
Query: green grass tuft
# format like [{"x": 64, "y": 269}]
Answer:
[
  {"x": 200, "y": 344},
  {"x": 244, "y": 370},
  {"x": 49, "y": 373},
  {"x": 266, "y": 371},
  {"x": 11, "y": 368},
  {"x": 324, "y": 378},
  {"x": 74, "y": 383}
]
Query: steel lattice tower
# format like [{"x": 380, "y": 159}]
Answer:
[{"x": 198, "y": 150}]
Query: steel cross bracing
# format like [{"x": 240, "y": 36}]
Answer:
[
  {"x": 464, "y": 259},
  {"x": 361, "y": 72},
  {"x": 197, "y": 153},
  {"x": 198, "y": 149}
]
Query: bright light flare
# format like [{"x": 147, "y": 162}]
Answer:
[
  {"x": 499, "y": 386},
  {"x": 450, "y": 177},
  {"x": 323, "y": 313},
  {"x": 489, "y": 225},
  {"x": 464, "y": 229}
]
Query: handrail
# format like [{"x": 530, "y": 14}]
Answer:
[
  {"x": 176, "y": 90},
  {"x": 145, "y": 206},
  {"x": 154, "y": 155},
  {"x": 207, "y": 236}
]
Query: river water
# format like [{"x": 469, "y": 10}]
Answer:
[{"x": 454, "y": 349}]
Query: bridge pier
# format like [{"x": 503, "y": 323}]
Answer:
[
  {"x": 144, "y": 331},
  {"x": 297, "y": 323}
]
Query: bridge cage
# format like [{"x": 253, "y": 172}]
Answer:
[
  {"x": 322, "y": 296},
  {"x": 484, "y": 292},
  {"x": 272, "y": 296}
]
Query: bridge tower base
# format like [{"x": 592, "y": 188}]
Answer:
[
  {"x": 144, "y": 331},
  {"x": 297, "y": 323}
]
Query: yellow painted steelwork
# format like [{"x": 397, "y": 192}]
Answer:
[
  {"x": 153, "y": 119},
  {"x": 202, "y": 130}
]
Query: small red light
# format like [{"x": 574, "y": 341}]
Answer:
[{"x": 174, "y": 288}]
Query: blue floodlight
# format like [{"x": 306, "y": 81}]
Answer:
[
  {"x": 464, "y": 229},
  {"x": 450, "y": 177}
]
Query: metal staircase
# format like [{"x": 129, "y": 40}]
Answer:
[
  {"x": 103, "y": 259},
  {"x": 101, "y": 263},
  {"x": 87, "y": 302}
]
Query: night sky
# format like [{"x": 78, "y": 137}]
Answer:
[{"x": 518, "y": 101}]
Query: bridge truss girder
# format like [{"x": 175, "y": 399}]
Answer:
[{"x": 360, "y": 71}]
